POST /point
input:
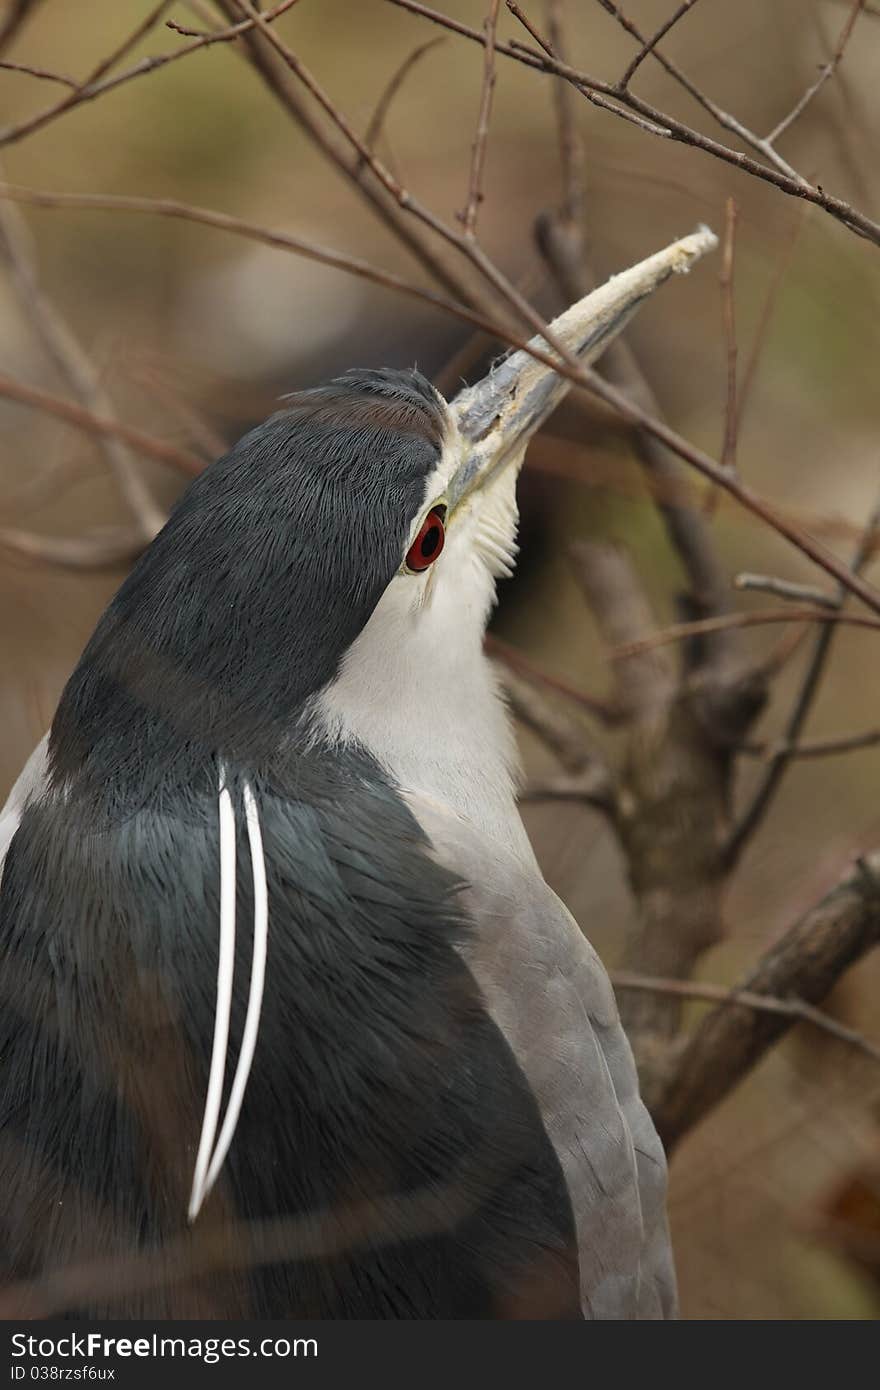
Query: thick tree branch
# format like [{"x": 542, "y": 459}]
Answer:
[{"x": 804, "y": 966}]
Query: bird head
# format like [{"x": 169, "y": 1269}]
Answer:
[{"x": 461, "y": 537}]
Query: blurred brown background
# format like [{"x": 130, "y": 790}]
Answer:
[{"x": 188, "y": 324}]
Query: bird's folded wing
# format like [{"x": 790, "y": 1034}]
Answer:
[{"x": 547, "y": 990}]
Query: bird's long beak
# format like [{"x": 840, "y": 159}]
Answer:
[{"x": 497, "y": 417}]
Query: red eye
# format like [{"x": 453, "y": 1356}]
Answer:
[{"x": 428, "y": 543}]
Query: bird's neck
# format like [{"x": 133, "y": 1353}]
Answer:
[{"x": 435, "y": 720}]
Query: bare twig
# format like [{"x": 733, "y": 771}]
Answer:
[
  {"x": 607, "y": 712},
  {"x": 355, "y": 163},
  {"x": 650, "y": 44},
  {"x": 595, "y": 97},
  {"x": 814, "y": 748},
  {"x": 593, "y": 786},
  {"x": 82, "y": 419},
  {"x": 767, "y": 787},
  {"x": 629, "y": 107},
  {"x": 234, "y": 31},
  {"x": 872, "y": 10},
  {"x": 795, "y": 1009},
  {"x": 677, "y": 632},
  {"x": 827, "y": 71},
  {"x": 728, "y": 447},
  {"x": 481, "y": 138},
  {"x": 724, "y": 118},
  {"x": 267, "y": 236},
  {"x": 76, "y": 367},
  {"x": 97, "y": 84},
  {"x": 207, "y": 439},
  {"x": 782, "y": 652},
  {"x": 30, "y": 70},
  {"x": 752, "y": 361},
  {"x": 17, "y": 12},
  {"x": 785, "y": 588},
  {"x": 559, "y": 730},
  {"x": 466, "y": 245},
  {"x": 210, "y": 1248},
  {"x": 803, "y": 965},
  {"x": 102, "y": 548},
  {"x": 571, "y": 150},
  {"x": 383, "y": 105}
]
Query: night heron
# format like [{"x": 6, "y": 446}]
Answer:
[{"x": 275, "y": 820}]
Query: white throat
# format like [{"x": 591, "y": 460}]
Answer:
[{"x": 436, "y": 723}]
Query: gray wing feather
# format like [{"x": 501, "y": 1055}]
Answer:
[{"x": 549, "y": 993}]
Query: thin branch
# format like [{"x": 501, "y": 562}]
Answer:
[
  {"x": 383, "y": 105},
  {"x": 769, "y": 783},
  {"x": 785, "y": 588},
  {"x": 17, "y": 12},
  {"x": 82, "y": 419},
  {"x": 590, "y": 787},
  {"x": 466, "y": 245},
  {"x": 650, "y": 44},
  {"x": 724, "y": 118},
  {"x": 559, "y": 730},
  {"x": 677, "y": 632},
  {"x": 355, "y": 162},
  {"x": 804, "y": 965},
  {"x": 101, "y": 548},
  {"x": 595, "y": 97},
  {"x": 30, "y": 70},
  {"x": 768, "y": 512},
  {"x": 648, "y": 117},
  {"x": 767, "y": 307},
  {"x": 131, "y": 40},
  {"x": 813, "y": 748},
  {"x": 208, "y": 440},
  {"x": 481, "y": 138},
  {"x": 267, "y": 236},
  {"x": 872, "y": 10},
  {"x": 451, "y": 375},
  {"x": 97, "y": 84},
  {"x": 605, "y": 711},
  {"x": 825, "y": 73},
  {"x": 728, "y": 447},
  {"x": 795, "y": 1009},
  {"x": 571, "y": 149},
  {"x": 74, "y": 364},
  {"x": 324, "y": 1234}
]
